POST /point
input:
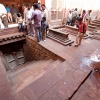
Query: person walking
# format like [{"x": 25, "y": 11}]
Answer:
[{"x": 9, "y": 14}]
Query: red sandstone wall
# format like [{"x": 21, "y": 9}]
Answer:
[
  {"x": 53, "y": 7},
  {"x": 17, "y": 2}
]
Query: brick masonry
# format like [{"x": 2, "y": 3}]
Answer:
[{"x": 35, "y": 51}]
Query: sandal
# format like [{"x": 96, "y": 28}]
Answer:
[{"x": 76, "y": 45}]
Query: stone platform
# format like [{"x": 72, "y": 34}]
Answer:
[{"x": 65, "y": 29}]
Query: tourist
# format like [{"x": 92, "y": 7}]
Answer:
[
  {"x": 45, "y": 14},
  {"x": 81, "y": 31},
  {"x": 43, "y": 28},
  {"x": 23, "y": 10},
  {"x": 9, "y": 14},
  {"x": 36, "y": 16},
  {"x": 28, "y": 15},
  {"x": 32, "y": 6},
  {"x": 39, "y": 6},
  {"x": 83, "y": 13},
  {"x": 20, "y": 9},
  {"x": 74, "y": 17},
  {"x": 14, "y": 12},
  {"x": 87, "y": 18},
  {"x": 76, "y": 22},
  {"x": 3, "y": 16},
  {"x": 69, "y": 18},
  {"x": 20, "y": 22}
]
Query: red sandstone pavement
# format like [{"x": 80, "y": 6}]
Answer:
[
  {"x": 90, "y": 90},
  {"x": 62, "y": 81}
]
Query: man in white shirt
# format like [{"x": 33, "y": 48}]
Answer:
[
  {"x": 3, "y": 16},
  {"x": 29, "y": 23},
  {"x": 45, "y": 14}
]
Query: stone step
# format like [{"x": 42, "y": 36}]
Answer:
[
  {"x": 19, "y": 79},
  {"x": 91, "y": 26},
  {"x": 19, "y": 69},
  {"x": 63, "y": 43},
  {"x": 95, "y": 24},
  {"x": 96, "y": 21},
  {"x": 59, "y": 38},
  {"x": 63, "y": 78},
  {"x": 35, "y": 78}
]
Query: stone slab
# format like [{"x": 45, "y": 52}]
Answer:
[
  {"x": 90, "y": 90},
  {"x": 70, "y": 83},
  {"x": 50, "y": 95}
]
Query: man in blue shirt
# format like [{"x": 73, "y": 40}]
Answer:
[{"x": 9, "y": 13}]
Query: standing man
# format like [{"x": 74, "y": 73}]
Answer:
[
  {"x": 28, "y": 15},
  {"x": 9, "y": 13},
  {"x": 14, "y": 12},
  {"x": 3, "y": 16},
  {"x": 45, "y": 14},
  {"x": 36, "y": 16},
  {"x": 74, "y": 16}
]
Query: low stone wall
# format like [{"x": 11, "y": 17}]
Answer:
[{"x": 34, "y": 51}]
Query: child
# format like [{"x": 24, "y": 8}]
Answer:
[
  {"x": 43, "y": 28},
  {"x": 20, "y": 22},
  {"x": 81, "y": 31}
]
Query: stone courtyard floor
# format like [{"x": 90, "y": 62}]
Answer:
[{"x": 68, "y": 80}]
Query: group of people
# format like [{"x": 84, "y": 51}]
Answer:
[
  {"x": 36, "y": 20},
  {"x": 73, "y": 15},
  {"x": 34, "y": 17},
  {"x": 81, "y": 21}
]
